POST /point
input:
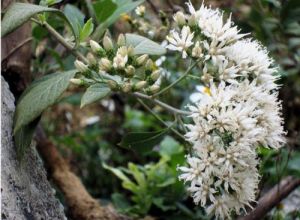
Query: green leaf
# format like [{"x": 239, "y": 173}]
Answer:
[
  {"x": 18, "y": 13},
  {"x": 94, "y": 93},
  {"x": 40, "y": 95},
  {"x": 103, "y": 9},
  {"x": 169, "y": 147},
  {"x": 117, "y": 172},
  {"x": 87, "y": 30},
  {"x": 123, "y": 6},
  {"x": 143, "y": 45},
  {"x": 76, "y": 18},
  {"x": 143, "y": 142},
  {"x": 23, "y": 137}
]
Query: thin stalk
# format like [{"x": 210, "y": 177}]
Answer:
[
  {"x": 162, "y": 104},
  {"x": 61, "y": 40},
  {"x": 159, "y": 119},
  {"x": 178, "y": 80}
]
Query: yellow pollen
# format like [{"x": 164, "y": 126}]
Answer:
[
  {"x": 207, "y": 91},
  {"x": 125, "y": 17}
]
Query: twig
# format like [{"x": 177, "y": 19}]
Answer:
[
  {"x": 61, "y": 40},
  {"x": 272, "y": 198},
  {"x": 159, "y": 119},
  {"x": 178, "y": 80},
  {"x": 162, "y": 104},
  {"x": 17, "y": 47}
]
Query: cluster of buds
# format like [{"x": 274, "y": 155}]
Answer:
[{"x": 121, "y": 68}]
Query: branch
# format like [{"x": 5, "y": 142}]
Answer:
[
  {"x": 81, "y": 204},
  {"x": 272, "y": 198},
  {"x": 162, "y": 104}
]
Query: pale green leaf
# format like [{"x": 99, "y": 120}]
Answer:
[
  {"x": 94, "y": 93},
  {"x": 87, "y": 30},
  {"x": 143, "y": 45}
]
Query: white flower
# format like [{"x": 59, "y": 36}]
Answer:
[
  {"x": 140, "y": 10},
  {"x": 120, "y": 61},
  {"x": 181, "y": 42}
]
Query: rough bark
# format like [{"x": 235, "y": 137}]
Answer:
[
  {"x": 272, "y": 198},
  {"x": 26, "y": 193}
]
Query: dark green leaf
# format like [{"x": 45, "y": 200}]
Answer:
[
  {"x": 143, "y": 45},
  {"x": 123, "y": 6},
  {"x": 103, "y": 9},
  {"x": 40, "y": 95},
  {"x": 87, "y": 30},
  {"x": 143, "y": 141},
  {"x": 94, "y": 93},
  {"x": 18, "y": 13}
]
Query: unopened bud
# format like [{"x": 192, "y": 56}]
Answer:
[
  {"x": 192, "y": 21},
  {"x": 142, "y": 59},
  {"x": 197, "y": 50},
  {"x": 121, "y": 40},
  {"x": 179, "y": 18},
  {"x": 130, "y": 50},
  {"x": 77, "y": 81},
  {"x": 91, "y": 59},
  {"x": 113, "y": 85},
  {"x": 107, "y": 43},
  {"x": 80, "y": 66},
  {"x": 126, "y": 87},
  {"x": 95, "y": 46},
  {"x": 140, "y": 85},
  {"x": 130, "y": 70},
  {"x": 154, "y": 89},
  {"x": 105, "y": 64},
  {"x": 149, "y": 64},
  {"x": 155, "y": 75}
]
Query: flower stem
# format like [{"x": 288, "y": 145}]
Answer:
[
  {"x": 159, "y": 119},
  {"x": 178, "y": 80},
  {"x": 61, "y": 40},
  {"x": 162, "y": 104}
]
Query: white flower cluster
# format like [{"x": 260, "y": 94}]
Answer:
[{"x": 237, "y": 113}]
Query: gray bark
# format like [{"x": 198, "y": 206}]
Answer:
[{"x": 26, "y": 193}]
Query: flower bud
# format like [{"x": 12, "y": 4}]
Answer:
[
  {"x": 197, "y": 51},
  {"x": 179, "y": 18},
  {"x": 126, "y": 87},
  {"x": 140, "y": 10},
  {"x": 107, "y": 43},
  {"x": 130, "y": 70},
  {"x": 142, "y": 59},
  {"x": 91, "y": 59},
  {"x": 113, "y": 85},
  {"x": 155, "y": 75},
  {"x": 95, "y": 46},
  {"x": 192, "y": 21},
  {"x": 80, "y": 66},
  {"x": 77, "y": 81},
  {"x": 154, "y": 89},
  {"x": 140, "y": 85},
  {"x": 105, "y": 64},
  {"x": 121, "y": 40},
  {"x": 149, "y": 64}
]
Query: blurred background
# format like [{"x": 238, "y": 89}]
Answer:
[{"x": 144, "y": 182}]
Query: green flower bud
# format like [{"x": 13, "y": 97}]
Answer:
[
  {"x": 113, "y": 85},
  {"x": 121, "y": 40},
  {"x": 155, "y": 75},
  {"x": 130, "y": 70},
  {"x": 126, "y": 87},
  {"x": 149, "y": 64},
  {"x": 95, "y": 46},
  {"x": 142, "y": 59},
  {"x": 105, "y": 64},
  {"x": 77, "y": 81},
  {"x": 154, "y": 89},
  {"x": 80, "y": 66},
  {"x": 107, "y": 43},
  {"x": 179, "y": 18},
  {"x": 91, "y": 59},
  {"x": 140, "y": 85}
]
